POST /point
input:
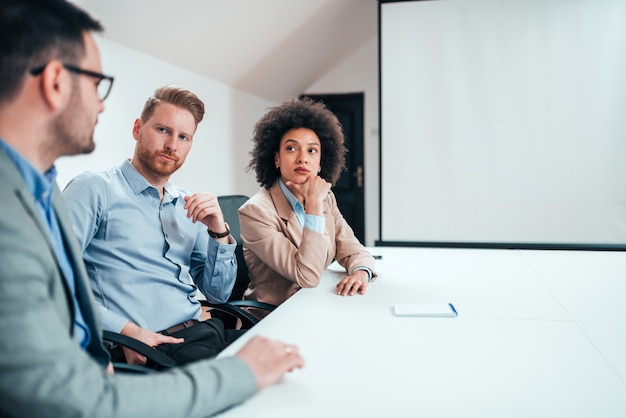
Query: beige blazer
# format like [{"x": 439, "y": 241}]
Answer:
[{"x": 282, "y": 257}]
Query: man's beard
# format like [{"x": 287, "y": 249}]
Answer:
[
  {"x": 150, "y": 162},
  {"x": 72, "y": 131}
]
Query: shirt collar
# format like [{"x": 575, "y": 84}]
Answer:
[
  {"x": 38, "y": 184},
  {"x": 138, "y": 183},
  {"x": 293, "y": 202}
]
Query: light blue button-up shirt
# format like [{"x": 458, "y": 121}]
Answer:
[
  {"x": 145, "y": 258},
  {"x": 40, "y": 187}
]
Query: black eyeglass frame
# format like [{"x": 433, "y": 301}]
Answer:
[{"x": 78, "y": 70}]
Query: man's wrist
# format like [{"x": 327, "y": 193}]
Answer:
[{"x": 221, "y": 234}]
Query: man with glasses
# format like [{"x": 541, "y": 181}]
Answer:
[
  {"x": 103, "y": 83},
  {"x": 52, "y": 362}
]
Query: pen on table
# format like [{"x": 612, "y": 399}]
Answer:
[{"x": 453, "y": 309}]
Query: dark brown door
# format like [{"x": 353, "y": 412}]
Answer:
[{"x": 349, "y": 188}]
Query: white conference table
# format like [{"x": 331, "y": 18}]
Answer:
[{"x": 539, "y": 334}]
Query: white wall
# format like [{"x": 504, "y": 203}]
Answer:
[
  {"x": 221, "y": 143},
  {"x": 359, "y": 73},
  {"x": 220, "y": 152}
]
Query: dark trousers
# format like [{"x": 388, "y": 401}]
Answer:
[{"x": 204, "y": 340}]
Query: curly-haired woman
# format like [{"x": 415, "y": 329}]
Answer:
[{"x": 292, "y": 228}]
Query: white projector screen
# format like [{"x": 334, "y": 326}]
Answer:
[{"x": 503, "y": 122}]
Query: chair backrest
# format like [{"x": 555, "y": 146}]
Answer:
[{"x": 230, "y": 205}]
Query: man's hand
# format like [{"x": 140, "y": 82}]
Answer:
[
  {"x": 204, "y": 207},
  {"x": 150, "y": 338},
  {"x": 269, "y": 359}
]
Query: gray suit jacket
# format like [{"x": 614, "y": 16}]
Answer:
[{"x": 43, "y": 370}]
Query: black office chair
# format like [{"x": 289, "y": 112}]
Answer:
[
  {"x": 230, "y": 205},
  {"x": 160, "y": 360}
]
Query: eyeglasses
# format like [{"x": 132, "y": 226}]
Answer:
[{"x": 104, "y": 85}]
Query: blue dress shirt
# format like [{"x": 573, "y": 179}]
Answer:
[
  {"x": 145, "y": 258},
  {"x": 40, "y": 187}
]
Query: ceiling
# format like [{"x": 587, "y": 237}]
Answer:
[{"x": 274, "y": 49}]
